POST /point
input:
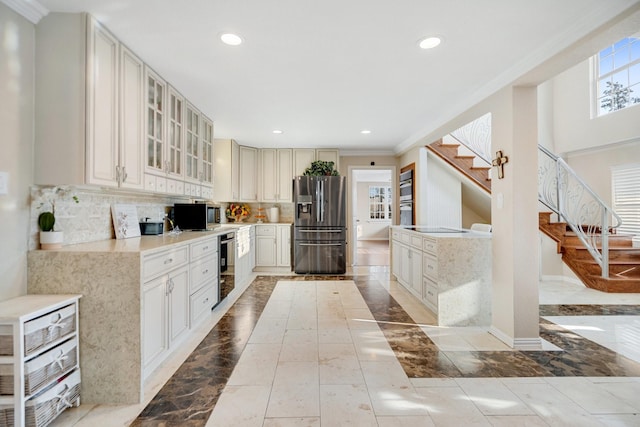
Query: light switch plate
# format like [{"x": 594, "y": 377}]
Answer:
[{"x": 4, "y": 182}]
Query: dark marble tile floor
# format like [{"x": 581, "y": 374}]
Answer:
[{"x": 188, "y": 398}]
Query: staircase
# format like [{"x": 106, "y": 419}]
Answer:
[
  {"x": 624, "y": 260},
  {"x": 464, "y": 163},
  {"x": 603, "y": 261}
]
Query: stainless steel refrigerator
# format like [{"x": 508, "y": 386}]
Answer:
[{"x": 320, "y": 220}]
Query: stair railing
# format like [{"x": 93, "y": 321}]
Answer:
[
  {"x": 476, "y": 136},
  {"x": 575, "y": 203},
  {"x": 560, "y": 189}
]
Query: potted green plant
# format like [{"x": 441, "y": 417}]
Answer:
[
  {"x": 50, "y": 238},
  {"x": 321, "y": 168}
]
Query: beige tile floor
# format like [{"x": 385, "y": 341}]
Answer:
[{"x": 316, "y": 358}]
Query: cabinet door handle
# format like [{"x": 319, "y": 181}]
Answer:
[
  {"x": 118, "y": 174},
  {"x": 124, "y": 174}
]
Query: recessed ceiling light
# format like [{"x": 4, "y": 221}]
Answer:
[
  {"x": 365, "y": 132},
  {"x": 278, "y": 131},
  {"x": 231, "y": 39},
  {"x": 429, "y": 42}
]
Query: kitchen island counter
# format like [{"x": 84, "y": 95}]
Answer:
[
  {"x": 124, "y": 297},
  {"x": 449, "y": 270}
]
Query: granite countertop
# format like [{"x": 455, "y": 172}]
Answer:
[
  {"x": 442, "y": 232},
  {"x": 140, "y": 244}
]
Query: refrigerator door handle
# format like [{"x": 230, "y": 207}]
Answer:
[
  {"x": 318, "y": 201},
  {"x": 320, "y": 244},
  {"x": 322, "y": 204},
  {"x": 319, "y": 231}
]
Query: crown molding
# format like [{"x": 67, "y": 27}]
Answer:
[{"x": 30, "y": 9}]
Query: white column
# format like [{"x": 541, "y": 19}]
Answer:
[{"x": 514, "y": 212}]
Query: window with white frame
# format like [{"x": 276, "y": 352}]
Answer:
[
  {"x": 618, "y": 75},
  {"x": 625, "y": 183},
  {"x": 380, "y": 202}
]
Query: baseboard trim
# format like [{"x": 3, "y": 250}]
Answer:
[
  {"x": 517, "y": 343},
  {"x": 557, "y": 278}
]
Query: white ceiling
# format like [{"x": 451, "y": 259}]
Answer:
[{"x": 324, "y": 70}]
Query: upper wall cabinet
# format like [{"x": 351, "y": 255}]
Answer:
[
  {"x": 226, "y": 170},
  {"x": 104, "y": 118},
  {"x": 156, "y": 89},
  {"x": 248, "y": 174},
  {"x": 302, "y": 158},
  {"x": 92, "y": 142},
  {"x": 276, "y": 183}
]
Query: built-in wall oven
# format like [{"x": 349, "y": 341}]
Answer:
[
  {"x": 406, "y": 196},
  {"x": 226, "y": 251}
]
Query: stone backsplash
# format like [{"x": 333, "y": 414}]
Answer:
[{"x": 89, "y": 219}]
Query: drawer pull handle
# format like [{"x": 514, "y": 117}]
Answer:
[
  {"x": 168, "y": 261},
  {"x": 205, "y": 248},
  {"x": 55, "y": 323},
  {"x": 205, "y": 271},
  {"x": 63, "y": 401},
  {"x": 60, "y": 358}
]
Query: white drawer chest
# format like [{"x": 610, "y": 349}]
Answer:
[{"x": 39, "y": 358}]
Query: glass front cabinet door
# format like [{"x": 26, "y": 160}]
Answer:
[{"x": 156, "y": 89}]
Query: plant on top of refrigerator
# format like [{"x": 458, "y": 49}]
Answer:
[{"x": 321, "y": 168}]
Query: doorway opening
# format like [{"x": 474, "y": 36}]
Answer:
[{"x": 372, "y": 212}]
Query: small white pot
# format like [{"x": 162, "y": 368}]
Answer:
[{"x": 51, "y": 239}]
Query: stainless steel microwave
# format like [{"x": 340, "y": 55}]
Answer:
[{"x": 195, "y": 216}]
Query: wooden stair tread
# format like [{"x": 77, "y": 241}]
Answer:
[{"x": 624, "y": 259}]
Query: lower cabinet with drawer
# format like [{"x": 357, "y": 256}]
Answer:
[
  {"x": 449, "y": 273},
  {"x": 39, "y": 358},
  {"x": 165, "y": 306},
  {"x": 273, "y": 247},
  {"x": 204, "y": 288},
  {"x": 140, "y": 299}
]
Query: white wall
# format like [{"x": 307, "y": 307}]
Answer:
[
  {"x": 369, "y": 229},
  {"x": 574, "y": 129},
  {"x": 17, "y": 41},
  {"x": 443, "y": 194}
]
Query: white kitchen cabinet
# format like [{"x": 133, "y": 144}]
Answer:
[
  {"x": 266, "y": 245},
  {"x": 226, "y": 170},
  {"x": 273, "y": 246},
  {"x": 328, "y": 155},
  {"x": 284, "y": 246},
  {"x": 39, "y": 352},
  {"x": 206, "y": 178},
  {"x": 134, "y": 312},
  {"x": 407, "y": 261},
  {"x": 155, "y": 116},
  {"x": 245, "y": 256},
  {"x": 192, "y": 145},
  {"x": 165, "y": 303},
  {"x": 302, "y": 158},
  {"x": 449, "y": 272},
  {"x": 87, "y": 124},
  {"x": 203, "y": 278},
  {"x": 175, "y": 135},
  {"x": 154, "y": 321},
  {"x": 131, "y": 129},
  {"x": 277, "y": 176},
  {"x": 102, "y": 106},
  {"x": 248, "y": 174}
]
